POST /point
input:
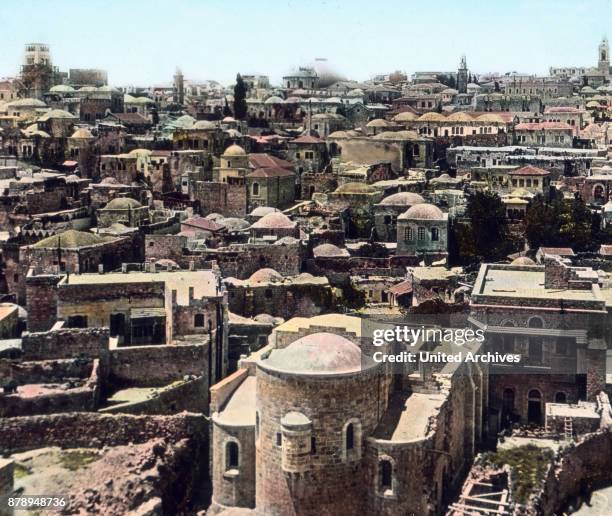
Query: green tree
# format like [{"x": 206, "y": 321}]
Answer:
[
  {"x": 541, "y": 223},
  {"x": 240, "y": 92}
]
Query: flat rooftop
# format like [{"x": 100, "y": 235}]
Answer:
[
  {"x": 204, "y": 283},
  {"x": 239, "y": 410},
  {"x": 407, "y": 418}
]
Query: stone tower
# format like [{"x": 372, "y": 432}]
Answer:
[
  {"x": 37, "y": 70},
  {"x": 604, "y": 57},
  {"x": 462, "y": 76},
  {"x": 179, "y": 88}
]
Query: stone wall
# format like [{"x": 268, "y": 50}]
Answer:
[
  {"x": 91, "y": 430},
  {"x": 65, "y": 343},
  {"x": 156, "y": 365},
  {"x": 189, "y": 395}
]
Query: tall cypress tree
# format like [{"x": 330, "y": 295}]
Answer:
[{"x": 240, "y": 92}]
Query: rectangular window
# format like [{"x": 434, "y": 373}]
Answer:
[
  {"x": 421, "y": 234},
  {"x": 408, "y": 235}
]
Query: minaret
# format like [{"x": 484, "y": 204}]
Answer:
[
  {"x": 179, "y": 89},
  {"x": 462, "y": 76},
  {"x": 604, "y": 57}
]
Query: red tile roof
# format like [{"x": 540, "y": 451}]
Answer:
[
  {"x": 544, "y": 126},
  {"x": 271, "y": 172},
  {"x": 202, "y": 223},
  {"x": 264, "y": 160},
  {"x": 529, "y": 170},
  {"x": 405, "y": 287}
]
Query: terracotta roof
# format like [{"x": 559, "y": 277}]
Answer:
[
  {"x": 405, "y": 287},
  {"x": 202, "y": 223},
  {"x": 529, "y": 170},
  {"x": 559, "y": 251},
  {"x": 266, "y": 160},
  {"x": 271, "y": 172},
  {"x": 543, "y": 126}
]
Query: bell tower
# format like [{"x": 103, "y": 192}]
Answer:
[
  {"x": 604, "y": 57},
  {"x": 462, "y": 76}
]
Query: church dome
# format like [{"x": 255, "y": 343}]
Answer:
[
  {"x": 234, "y": 150},
  {"x": 317, "y": 353},
  {"x": 403, "y": 199},
  {"x": 275, "y": 220},
  {"x": 329, "y": 251},
  {"x": 423, "y": 211}
]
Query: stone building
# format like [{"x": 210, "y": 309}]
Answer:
[
  {"x": 274, "y": 226},
  {"x": 266, "y": 291},
  {"x": 123, "y": 210},
  {"x": 554, "y": 316},
  {"x": 270, "y": 186},
  {"x": 544, "y": 134},
  {"x": 298, "y": 430},
  {"x": 422, "y": 230},
  {"x": 387, "y": 211}
]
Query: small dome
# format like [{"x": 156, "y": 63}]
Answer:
[
  {"x": 82, "y": 134},
  {"x": 523, "y": 260},
  {"x": 70, "y": 239},
  {"x": 72, "y": 178},
  {"x": 432, "y": 116},
  {"x": 26, "y": 103},
  {"x": 123, "y": 203},
  {"x": 273, "y": 100},
  {"x": 266, "y": 275},
  {"x": 288, "y": 240},
  {"x": 276, "y": 220},
  {"x": 329, "y": 251},
  {"x": 56, "y": 114},
  {"x": 423, "y": 211},
  {"x": 338, "y": 134},
  {"x": 490, "y": 117},
  {"x": 317, "y": 353},
  {"x": 109, "y": 181},
  {"x": 260, "y": 211},
  {"x": 377, "y": 122},
  {"x": 403, "y": 199},
  {"x": 406, "y": 116},
  {"x": 62, "y": 88},
  {"x": 234, "y": 150},
  {"x": 355, "y": 188},
  {"x": 169, "y": 264},
  {"x": 88, "y": 88},
  {"x": 140, "y": 152},
  {"x": 213, "y": 216},
  {"x": 228, "y": 120},
  {"x": 233, "y": 223},
  {"x": 459, "y": 117}
]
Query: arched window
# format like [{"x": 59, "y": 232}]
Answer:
[
  {"x": 232, "y": 455},
  {"x": 408, "y": 234},
  {"x": 435, "y": 234},
  {"x": 536, "y": 322},
  {"x": 198, "y": 320},
  {"x": 385, "y": 476},
  {"x": 255, "y": 188},
  {"x": 350, "y": 437},
  {"x": 421, "y": 233}
]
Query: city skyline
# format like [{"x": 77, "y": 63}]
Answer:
[{"x": 218, "y": 51}]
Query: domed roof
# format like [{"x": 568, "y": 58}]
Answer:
[
  {"x": 396, "y": 135},
  {"x": 329, "y": 251},
  {"x": 423, "y": 211},
  {"x": 275, "y": 220},
  {"x": 587, "y": 89},
  {"x": 184, "y": 122},
  {"x": 354, "y": 188},
  {"x": 274, "y": 99},
  {"x": 88, "y": 88},
  {"x": 260, "y": 211},
  {"x": 403, "y": 199},
  {"x": 166, "y": 262},
  {"x": 406, "y": 116},
  {"x": 123, "y": 203},
  {"x": 233, "y": 223},
  {"x": 140, "y": 152},
  {"x": 62, "y": 88},
  {"x": 70, "y": 239},
  {"x": 266, "y": 275},
  {"x": 268, "y": 319},
  {"x": 56, "y": 114},
  {"x": 228, "y": 119},
  {"x": 432, "y": 116},
  {"x": 460, "y": 116},
  {"x": 317, "y": 353},
  {"x": 522, "y": 260},
  {"x": 213, "y": 216},
  {"x": 28, "y": 102},
  {"x": 357, "y": 92},
  {"x": 109, "y": 181},
  {"x": 473, "y": 86},
  {"x": 378, "y": 122},
  {"x": 450, "y": 91},
  {"x": 234, "y": 150},
  {"x": 204, "y": 124},
  {"x": 338, "y": 134},
  {"x": 490, "y": 117},
  {"x": 82, "y": 134}
]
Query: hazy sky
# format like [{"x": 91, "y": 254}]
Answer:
[{"x": 142, "y": 41}]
